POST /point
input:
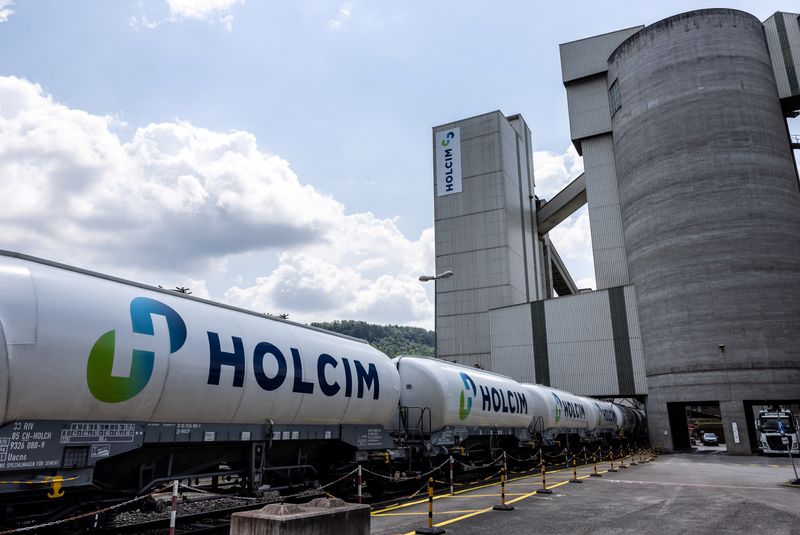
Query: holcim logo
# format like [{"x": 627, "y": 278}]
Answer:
[
  {"x": 449, "y": 136},
  {"x": 464, "y": 407},
  {"x": 113, "y": 389},
  {"x": 573, "y": 410},
  {"x": 558, "y": 407}
]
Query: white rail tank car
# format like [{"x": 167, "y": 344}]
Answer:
[
  {"x": 93, "y": 368},
  {"x": 82, "y": 347},
  {"x": 462, "y": 401}
]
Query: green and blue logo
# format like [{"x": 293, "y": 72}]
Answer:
[
  {"x": 447, "y": 138},
  {"x": 465, "y": 403},
  {"x": 114, "y": 389},
  {"x": 559, "y": 406}
]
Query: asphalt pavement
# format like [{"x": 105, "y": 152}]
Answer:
[{"x": 706, "y": 492}]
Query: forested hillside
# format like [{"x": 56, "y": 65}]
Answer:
[{"x": 391, "y": 339}]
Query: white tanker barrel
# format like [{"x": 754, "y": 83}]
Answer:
[
  {"x": 89, "y": 347},
  {"x": 626, "y": 419},
  {"x": 605, "y": 419},
  {"x": 461, "y": 396},
  {"x": 559, "y": 409}
]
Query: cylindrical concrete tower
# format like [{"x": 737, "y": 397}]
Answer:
[{"x": 711, "y": 217}]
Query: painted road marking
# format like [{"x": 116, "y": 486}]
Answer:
[
  {"x": 458, "y": 492},
  {"x": 669, "y": 483},
  {"x": 481, "y": 511},
  {"x": 425, "y": 513}
]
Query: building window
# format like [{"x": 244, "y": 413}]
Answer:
[{"x": 613, "y": 98}]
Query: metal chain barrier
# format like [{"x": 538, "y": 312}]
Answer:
[
  {"x": 426, "y": 474},
  {"x": 531, "y": 458},
  {"x": 158, "y": 491},
  {"x": 76, "y": 517}
]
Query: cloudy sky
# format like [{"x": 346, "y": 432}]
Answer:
[{"x": 274, "y": 155}]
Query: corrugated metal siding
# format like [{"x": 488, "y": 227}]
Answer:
[
  {"x": 608, "y": 242},
  {"x": 580, "y": 347},
  {"x": 589, "y": 113},
  {"x": 512, "y": 343},
  {"x": 792, "y": 21},
  {"x": 637, "y": 354},
  {"x": 778, "y": 65},
  {"x": 590, "y": 56},
  {"x": 792, "y": 25},
  {"x": 463, "y": 334},
  {"x": 580, "y": 344}
]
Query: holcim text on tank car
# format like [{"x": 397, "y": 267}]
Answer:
[{"x": 365, "y": 378}]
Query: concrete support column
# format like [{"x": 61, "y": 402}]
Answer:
[
  {"x": 658, "y": 422},
  {"x": 733, "y": 412}
]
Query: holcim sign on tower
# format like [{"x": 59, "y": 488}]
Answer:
[{"x": 448, "y": 162}]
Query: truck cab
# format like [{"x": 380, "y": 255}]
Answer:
[{"x": 777, "y": 432}]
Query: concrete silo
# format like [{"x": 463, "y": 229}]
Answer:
[{"x": 710, "y": 208}]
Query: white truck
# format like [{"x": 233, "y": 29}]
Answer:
[{"x": 777, "y": 431}]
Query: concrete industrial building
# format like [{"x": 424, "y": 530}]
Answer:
[{"x": 694, "y": 203}]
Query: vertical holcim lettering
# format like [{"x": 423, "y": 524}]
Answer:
[
  {"x": 219, "y": 358},
  {"x": 367, "y": 378},
  {"x": 348, "y": 379},
  {"x": 486, "y": 398},
  {"x": 329, "y": 389},
  {"x": 300, "y": 386},
  {"x": 268, "y": 383}
]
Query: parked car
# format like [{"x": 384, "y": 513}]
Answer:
[{"x": 710, "y": 439}]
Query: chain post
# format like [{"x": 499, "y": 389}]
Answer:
[
  {"x": 594, "y": 462},
  {"x": 574, "y": 470},
  {"x": 430, "y": 530},
  {"x": 173, "y": 511},
  {"x": 503, "y": 506},
  {"x": 633, "y": 457},
  {"x": 611, "y": 458},
  {"x": 544, "y": 489},
  {"x": 451, "y": 474},
  {"x": 358, "y": 484}
]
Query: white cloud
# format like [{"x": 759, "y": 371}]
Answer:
[
  {"x": 572, "y": 238},
  {"x": 573, "y": 241},
  {"x": 5, "y": 9},
  {"x": 200, "y": 10},
  {"x": 143, "y": 22},
  {"x": 342, "y": 16},
  {"x": 554, "y": 171},
  {"x": 176, "y": 202}
]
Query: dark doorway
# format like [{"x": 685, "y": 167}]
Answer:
[
  {"x": 691, "y": 422},
  {"x": 678, "y": 426}
]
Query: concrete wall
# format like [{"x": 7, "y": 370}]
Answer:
[
  {"x": 711, "y": 211},
  {"x": 485, "y": 236},
  {"x": 586, "y": 343}
]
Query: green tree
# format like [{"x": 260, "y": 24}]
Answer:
[{"x": 393, "y": 340}]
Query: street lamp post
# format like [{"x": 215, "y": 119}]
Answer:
[{"x": 434, "y": 278}]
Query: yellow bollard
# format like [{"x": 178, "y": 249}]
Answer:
[
  {"x": 594, "y": 462},
  {"x": 633, "y": 458},
  {"x": 430, "y": 530},
  {"x": 611, "y": 458},
  {"x": 622, "y": 459},
  {"x": 544, "y": 489},
  {"x": 575, "y": 471},
  {"x": 503, "y": 505}
]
